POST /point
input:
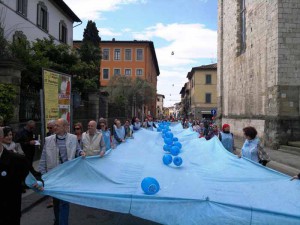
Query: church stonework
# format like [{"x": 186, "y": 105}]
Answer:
[{"x": 259, "y": 68}]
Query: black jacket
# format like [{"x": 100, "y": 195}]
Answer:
[{"x": 13, "y": 170}]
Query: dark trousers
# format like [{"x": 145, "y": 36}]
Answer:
[
  {"x": 61, "y": 212},
  {"x": 29, "y": 154}
]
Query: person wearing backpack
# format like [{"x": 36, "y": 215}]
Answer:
[{"x": 226, "y": 138}]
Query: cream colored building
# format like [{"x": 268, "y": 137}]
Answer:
[
  {"x": 35, "y": 19},
  {"x": 185, "y": 100},
  {"x": 203, "y": 91},
  {"x": 159, "y": 106},
  {"x": 259, "y": 68}
]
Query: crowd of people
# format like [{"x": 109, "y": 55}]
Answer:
[
  {"x": 60, "y": 145},
  {"x": 252, "y": 147}
]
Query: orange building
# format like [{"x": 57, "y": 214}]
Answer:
[{"x": 132, "y": 59}]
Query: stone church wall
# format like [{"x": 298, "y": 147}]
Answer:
[{"x": 260, "y": 86}]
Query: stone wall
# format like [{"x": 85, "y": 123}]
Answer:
[
  {"x": 10, "y": 73},
  {"x": 262, "y": 83},
  {"x": 237, "y": 125}
]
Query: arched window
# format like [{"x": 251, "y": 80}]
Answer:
[
  {"x": 42, "y": 16},
  {"x": 242, "y": 26},
  {"x": 22, "y": 7},
  {"x": 63, "y": 32}
]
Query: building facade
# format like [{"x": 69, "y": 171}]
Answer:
[
  {"x": 133, "y": 59},
  {"x": 258, "y": 67},
  {"x": 160, "y": 106},
  {"x": 185, "y": 101},
  {"x": 36, "y": 19},
  {"x": 203, "y": 90}
]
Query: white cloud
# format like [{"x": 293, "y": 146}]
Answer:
[
  {"x": 126, "y": 30},
  {"x": 170, "y": 83},
  {"x": 108, "y": 32},
  {"x": 91, "y": 9},
  {"x": 189, "y": 42}
]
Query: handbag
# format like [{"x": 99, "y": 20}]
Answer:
[{"x": 263, "y": 156}]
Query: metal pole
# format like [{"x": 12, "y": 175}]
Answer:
[{"x": 42, "y": 117}]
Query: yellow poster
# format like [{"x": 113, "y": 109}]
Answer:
[{"x": 57, "y": 95}]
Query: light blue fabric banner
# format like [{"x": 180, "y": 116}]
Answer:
[{"x": 212, "y": 186}]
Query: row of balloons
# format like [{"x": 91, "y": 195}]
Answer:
[{"x": 172, "y": 147}]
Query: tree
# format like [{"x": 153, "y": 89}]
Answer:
[
  {"x": 124, "y": 91},
  {"x": 91, "y": 34},
  {"x": 7, "y": 105},
  {"x": 43, "y": 53},
  {"x": 90, "y": 56}
]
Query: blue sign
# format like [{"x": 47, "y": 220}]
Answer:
[{"x": 213, "y": 112}]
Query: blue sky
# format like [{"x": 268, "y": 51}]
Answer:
[{"x": 186, "y": 27}]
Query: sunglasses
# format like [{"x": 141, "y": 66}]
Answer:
[{"x": 77, "y": 128}]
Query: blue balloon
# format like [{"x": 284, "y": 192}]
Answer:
[
  {"x": 167, "y": 159},
  {"x": 178, "y": 144},
  {"x": 169, "y": 134},
  {"x": 167, "y": 148},
  {"x": 177, "y": 160},
  {"x": 174, "y": 150},
  {"x": 168, "y": 141},
  {"x": 175, "y": 139},
  {"x": 150, "y": 185},
  {"x": 158, "y": 129}
]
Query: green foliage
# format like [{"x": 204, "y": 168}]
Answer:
[
  {"x": 7, "y": 100},
  {"x": 124, "y": 90},
  {"x": 91, "y": 34},
  {"x": 89, "y": 70},
  {"x": 90, "y": 53},
  {"x": 4, "y": 45},
  {"x": 45, "y": 53}
]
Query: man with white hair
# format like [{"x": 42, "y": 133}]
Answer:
[
  {"x": 93, "y": 141},
  {"x": 50, "y": 127},
  {"x": 59, "y": 148},
  {"x": 13, "y": 170}
]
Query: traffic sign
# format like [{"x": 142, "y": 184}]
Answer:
[{"x": 213, "y": 112}]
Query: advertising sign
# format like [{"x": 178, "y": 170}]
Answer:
[{"x": 57, "y": 95}]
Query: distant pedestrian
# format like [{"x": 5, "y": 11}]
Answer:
[
  {"x": 25, "y": 137},
  {"x": 78, "y": 131},
  {"x": 136, "y": 123},
  {"x": 92, "y": 141},
  {"x": 128, "y": 129},
  {"x": 213, "y": 131},
  {"x": 119, "y": 132},
  {"x": 106, "y": 134},
  {"x": 50, "y": 127},
  {"x": 251, "y": 144},
  {"x": 8, "y": 143},
  {"x": 226, "y": 138},
  {"x": 150, "y": 124}
]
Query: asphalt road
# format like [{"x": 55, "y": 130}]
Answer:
[{"x": 80, "y": 215}]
